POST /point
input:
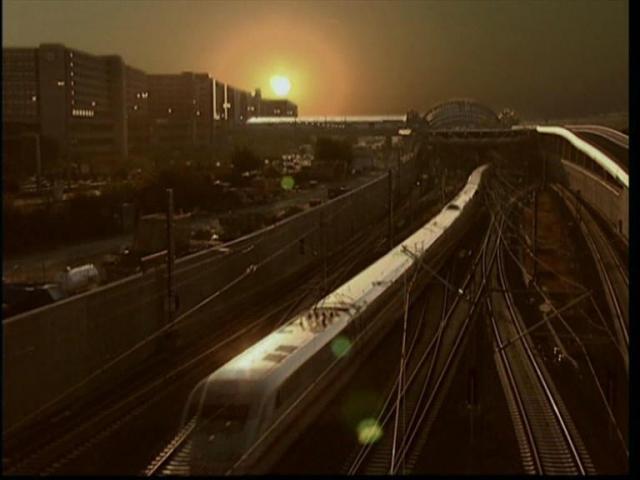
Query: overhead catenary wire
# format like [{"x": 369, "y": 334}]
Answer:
[
  {"x": 252, "y": 268},
  {"x": 557, "y": 312},
  {"x": 551, "y": 270}
]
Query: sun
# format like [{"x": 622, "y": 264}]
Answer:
[{"x": 280, "y": 85}]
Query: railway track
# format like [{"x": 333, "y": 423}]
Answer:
[
  {"x": 175, "y": 458},
  {"x": 53, "y": 456},
  {"x": 421, "y": 394},
  {"x": 549, "y": 442},
  {"x": 613, "y": 275}
]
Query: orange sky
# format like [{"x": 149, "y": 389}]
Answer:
[
  {"x": 279, "y": 45},
  {"x": 543, "y": 58}
]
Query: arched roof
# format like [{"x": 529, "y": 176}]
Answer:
[{"x": 461, "y": 113}]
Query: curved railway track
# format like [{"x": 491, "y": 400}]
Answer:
[
  {"x": 421, "y": 393},
  {"x": 53, "y": 456},
  {"x": 548, "y": 440},
  {"x": 613, "y": 275},
  {"x": 175, "y": 458}
]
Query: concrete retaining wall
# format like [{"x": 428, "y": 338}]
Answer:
[
  {"x": 611, "y": 204},
  {"x": 607, "y": 196}
]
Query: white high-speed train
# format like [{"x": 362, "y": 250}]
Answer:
[{"x": 246, "y": 408}]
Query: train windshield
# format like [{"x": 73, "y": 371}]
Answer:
[{"x": 223, "y": 418}]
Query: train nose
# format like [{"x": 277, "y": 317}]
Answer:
[{"x": 216, "y": 453}]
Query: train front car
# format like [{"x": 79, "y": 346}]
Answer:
[{"x": 227, "y": 417}]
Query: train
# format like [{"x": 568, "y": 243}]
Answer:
[{"x": 246, "y": 410}]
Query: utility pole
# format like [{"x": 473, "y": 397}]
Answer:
[
  {"x": 535, "y": 235},
  {"x": 390, "y": 177},
  {"x": 401, "y": 381},
  {"x": 170, "y": 258},
  {"x": 323, "y": 229},
  {"x": 38, "y": 162},
  {"x": 610, "y": 399}
]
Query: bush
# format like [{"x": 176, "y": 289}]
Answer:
[
  {"x": 336, "y": 152},
  {"x": 192, "y": 188},
  {"x": 244, "y": 160}
]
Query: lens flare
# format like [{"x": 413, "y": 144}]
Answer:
[
  {"x": 369, "y": 431},
  {"x": 340, "y": 346},
  {"x": 287, "y": 182}
]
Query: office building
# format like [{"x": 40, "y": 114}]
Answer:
[
  {"x": 70, "y": 97},
  {"x": 97, "y": 110},
  {"x": 137, "y": 108},
  {"x": 277, "y": 108},
  {"x": 180, "y": 110}
]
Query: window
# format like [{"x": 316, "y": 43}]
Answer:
[
  {"x": 286, "y": 348},
  {"x": 81, "y": 112},
  {"x": 228, "y": 418},
  {"x": 274, "y": 357}
]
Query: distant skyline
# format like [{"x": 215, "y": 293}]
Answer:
[{"x": 545, "y": 59}]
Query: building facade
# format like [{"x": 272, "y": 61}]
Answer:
[
  {"x": 278, "y": 108},
  {"x": 68, "y": 97},
  {"x": 137, "y": 110},
  {"x": 181, "y": 110},
  {"x": 97, "y": 109}
]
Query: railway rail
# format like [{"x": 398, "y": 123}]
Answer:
[
  {"x": 548, "y": 440},
  {"x": 423, "y": 390},
  {"x": 613, "y": 274},
  {"x": 173, "y": 456},
  {"x": 174, "y": 460},
  {"x": 53, "y": 456}
]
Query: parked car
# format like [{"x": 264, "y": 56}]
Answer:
[{"x": 22, "y": 297}]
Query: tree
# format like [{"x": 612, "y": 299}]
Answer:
[
  {"x": 244, "y": 160},
  {"x": 336, "y": 152}
]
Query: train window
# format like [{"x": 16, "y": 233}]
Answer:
[
  {"x": 286, "y": 349},
  {"x": 225, "y": 418},
  {"x": 274, "y": 357}
]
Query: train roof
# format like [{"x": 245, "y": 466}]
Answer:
[
  {"x": 280, "y": 352},
  {"x": 595, "y": 154}
]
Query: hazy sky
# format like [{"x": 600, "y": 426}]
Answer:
[{"x": 542, "y": 58}]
